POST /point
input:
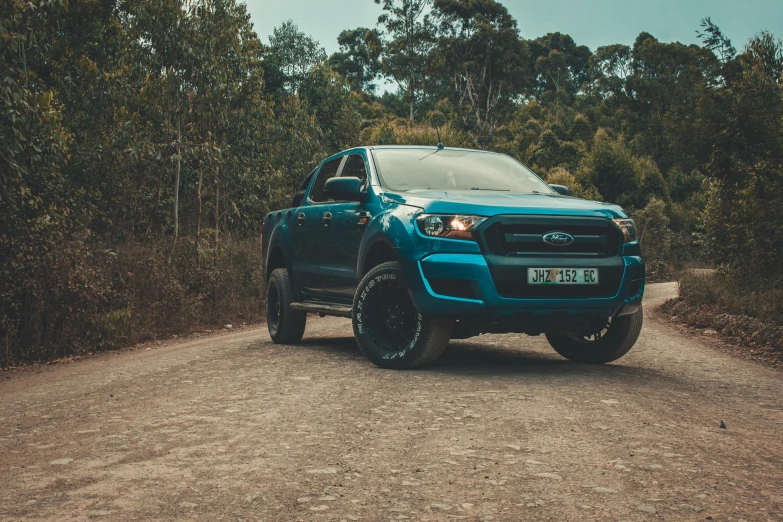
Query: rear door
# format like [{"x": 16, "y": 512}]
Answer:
[
  {"x": 342, "y": 236},
  {"x": 306, "y": 232}
]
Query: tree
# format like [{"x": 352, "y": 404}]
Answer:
[
  {"x": 36, "y": 199},
  {"x": 292, "y": 54},
  {"x": 411, "y": 35},
  {"x": 229, "y": 115},
  {"x": 559, "y": 64},
  {"x": 744, "y": 218},
  {"x": 358, "y": 59},
  {"x": 480, "y": 52},
  {"x": 164, "y": 38},
  {"x": 611, "y": 168},
  {"x": 609, "y": 68},
  {"x": 329, "y": 98}
]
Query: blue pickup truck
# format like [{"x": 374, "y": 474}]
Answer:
[{"x": 420, "y": 245}]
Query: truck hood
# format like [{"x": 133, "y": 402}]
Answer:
[{"x": 502, "y": 203}]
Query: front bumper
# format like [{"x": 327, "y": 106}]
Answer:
[{"x": 479, "y": 281}]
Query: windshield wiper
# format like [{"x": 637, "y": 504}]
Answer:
[{"x": 493, "y": 190}]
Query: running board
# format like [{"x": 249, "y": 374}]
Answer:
[{"x": 323, "y": 308}]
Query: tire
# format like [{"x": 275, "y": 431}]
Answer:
[
  {"x": 390, "y": 331},
  {"x": 286, "y": 326},
  {"x": 617, "y": 341}
]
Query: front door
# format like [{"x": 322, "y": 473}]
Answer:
[
  {"x": 306, "y": 227},
  {"x": 343, "y": 236}
]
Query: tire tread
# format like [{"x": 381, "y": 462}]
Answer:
[
  {"x": 292, "y": 322},
  {"x": 436, "y": 333},
  {"x": 615, "y": 344}
]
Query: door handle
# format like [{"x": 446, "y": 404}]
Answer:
[
  {"x": 300, "y": 217},
  {"x": 364, "y": 217},
  {"x": 327, "y": 218}
]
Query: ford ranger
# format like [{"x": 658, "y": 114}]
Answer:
[{"x": 420, "y": 245}]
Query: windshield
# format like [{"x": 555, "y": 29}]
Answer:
[{"x": 422, "y": 169}]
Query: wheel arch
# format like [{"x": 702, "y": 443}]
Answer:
[
  {"x": 275, "y": 260},
  {"x": 380, "y": 251}
]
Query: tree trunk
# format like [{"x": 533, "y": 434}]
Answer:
[
  {"x": 217, "y": 206},
  {"x": 410, "y": 94},
  {"x": 176, "y": 189},
  {"x": 198, "y": 222}
]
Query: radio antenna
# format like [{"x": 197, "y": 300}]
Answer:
[{"x": 440, "y": 143}]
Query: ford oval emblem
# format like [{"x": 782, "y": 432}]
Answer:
[{"x": 558, "y": 238}]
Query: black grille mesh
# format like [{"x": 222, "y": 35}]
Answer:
[{"x": 524, "y": 235}]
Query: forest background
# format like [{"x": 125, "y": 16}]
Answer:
[{"x": 142, "y": 142}]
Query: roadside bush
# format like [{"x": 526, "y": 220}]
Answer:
[
  {"x": 403, "y": 132},
  {"x": 560, "y": 176},
  {"x": 720, "y": 289},
  {"x": 80, "y": 297},
  {"x": 751, "y": 316},
  {"x": 655, "y": 238}
]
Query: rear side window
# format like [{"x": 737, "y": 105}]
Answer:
[
  {"x": 306, "y": 181},
  {"x": 355, "y": 168},
  {"x": 299, "y": 196},
  {"x": 328, "y": 171}
]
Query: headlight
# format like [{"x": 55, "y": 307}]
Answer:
[
  {"x": 628, "y": 227},
  {"x": 453, "y": 227}
]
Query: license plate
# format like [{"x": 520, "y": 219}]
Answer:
[{"x": 562, "y": 276}]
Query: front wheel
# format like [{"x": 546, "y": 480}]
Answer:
[
  {"x": 607, "y": 345},
  {"x": 390, "y": 331}
]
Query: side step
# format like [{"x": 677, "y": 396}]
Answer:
[{"x": 324, "y": 308}]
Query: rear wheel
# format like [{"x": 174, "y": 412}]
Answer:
[
  {"x": 286, "y": 326},
  {"x": 607, "y": 345},
  {"x": 389, "y": 330}
]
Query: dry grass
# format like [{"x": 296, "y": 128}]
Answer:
[{"x": 747, "y": 313}]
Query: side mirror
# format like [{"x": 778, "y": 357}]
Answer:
[
  {"x": 344, "y": 189},
  {"x": 560, "y": 189}
]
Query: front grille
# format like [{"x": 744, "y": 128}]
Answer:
[
  {"x": 523, "y": 235},
  {"x": 513, "y": 244}
]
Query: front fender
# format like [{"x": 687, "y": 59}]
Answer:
[
  {"x": 396, "y": 226},
  {"x": 393, "y": 226}
]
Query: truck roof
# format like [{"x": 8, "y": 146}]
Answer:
[{"x": 423, "y": 147}]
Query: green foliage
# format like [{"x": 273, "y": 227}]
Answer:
[
  {"x": 410, "y": 36},
  {"x": 655, "y": 238},
  {"x": 612, "y": 169},
  {"x": 358, "y": 59},
  {"x": 291, "y": 56},
  {"x": 481, "y": 56},
  {"x": 336, "y": 111},
  {"x": 403, "y": 132},
  {"x": 560, "y": 65},
  {"x": 560, "y": 176},
  {"x": 744, "y": 217}
]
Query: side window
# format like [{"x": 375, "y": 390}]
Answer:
[
  {"x": 355, "y": 168},
  {"x": 328, "y": 171},
  {"x": 306, "y": 182},
  {"x": 299, "y": 196}
]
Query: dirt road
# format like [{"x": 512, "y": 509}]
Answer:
[{"x": 235, "y": 428}]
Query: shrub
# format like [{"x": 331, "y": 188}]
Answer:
[
  {"x": 80, "y": 297},
  {"x": 655, "y": 238}
]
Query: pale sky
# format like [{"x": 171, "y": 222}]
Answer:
[{"x": 593, "y": 23}]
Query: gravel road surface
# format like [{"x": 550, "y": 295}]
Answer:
[{"x": 233, "y": 427}]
